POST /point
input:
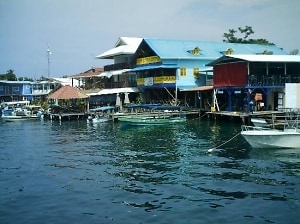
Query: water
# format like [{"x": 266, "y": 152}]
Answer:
[{"x": 78, "y": 173}]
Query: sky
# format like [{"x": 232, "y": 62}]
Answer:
[{"x": 76, "y": 31}]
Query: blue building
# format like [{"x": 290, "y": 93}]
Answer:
[
  {"x": 26, "y": 90},
  {"x": 15, "y": 90},
  {"x": 164, "y": 66}
]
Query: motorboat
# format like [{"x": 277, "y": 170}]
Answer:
[
  {"x": 101, "y": 114},
  {"x": 259, "y": 137},
  {"x": 263, "y": 137}
]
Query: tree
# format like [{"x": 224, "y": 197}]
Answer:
[
  {"x": 9, "y": 75},
  {"x": 231, "y": 37},
  {"x": 25, "y": 79}
]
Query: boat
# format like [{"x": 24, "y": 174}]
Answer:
[
  {"x": 101, "y": 114},
  {"x": 271, "y": 137},
  {"x": 19, "y": 111},
  {"x": 153, "y": 114}
]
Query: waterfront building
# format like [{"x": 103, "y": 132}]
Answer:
[
  {"x": 26, "y": 90},
  {"x": 117, "y": 80},
  {"x": 164, "y": 69},
  {"x": 88, "y": 80},
  {"x": 253, "y": 82}
]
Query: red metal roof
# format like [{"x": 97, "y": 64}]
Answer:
[{"x": 89, "y": 73}]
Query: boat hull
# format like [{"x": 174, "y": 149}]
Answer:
[
  {"x": 19, "y": 118},
  {"x": 150, "y": 120},
  {"x": 272, "y": 138},
  {"x": 98, "y": 120}
]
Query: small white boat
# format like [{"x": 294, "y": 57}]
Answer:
[
  {"x": 261, "y": 137},
  {"x": 99, "y": 119},
  {"x": 101, "y": 114}
]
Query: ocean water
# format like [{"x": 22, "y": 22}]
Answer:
[{"x": 73, "y": 172}]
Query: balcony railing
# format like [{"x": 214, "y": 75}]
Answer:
[
  {"x": 272, "y": 80},
  {"x": 111, "y": 85},
  {"x": 119, "y": 66}
]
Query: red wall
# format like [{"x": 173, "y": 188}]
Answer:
[{"x": 231, "y": 74}]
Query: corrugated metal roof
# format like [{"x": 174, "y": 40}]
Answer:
[
  {"x": 116, "y": 90},
  {"x": 268, "y": 58},
  {"x": 124, "y": 45},
  {"x": 168, "y": 48},
  {"x": 154, "y": 66},
  {"x": 199, "y": 88},
  {"x": 109, "y": 74},
  {"x": 17, "y": 82},
  {"x": 255, "y": 58},
  {"x": 89, "y": 73}
]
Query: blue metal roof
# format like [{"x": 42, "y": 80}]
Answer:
[
  {"x": 154, "y": 66},
  {"x": 168, "y": 48}
]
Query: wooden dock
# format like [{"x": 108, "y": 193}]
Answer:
[
  {"x": 243, "y": 117},
  {"x": 67, "y": 116}
]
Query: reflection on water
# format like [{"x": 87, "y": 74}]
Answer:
[{"x": 107, "y": 173}]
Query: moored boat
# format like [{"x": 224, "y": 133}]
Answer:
[
  {"x": 101, "y": 114},
  {"x": 154, "y": 115},
  {"x": 261, "y": 137}
]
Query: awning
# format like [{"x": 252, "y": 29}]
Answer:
[
  {"x": 199, "y": 88},
  {"x": 109, "y": 74},
  {"x": 155, "y": 66},
  {"x": 116, "y": 90}
]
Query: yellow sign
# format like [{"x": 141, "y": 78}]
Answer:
[
  {"x": 148, "y": 60},
  {"x": 156, "y": 80}
]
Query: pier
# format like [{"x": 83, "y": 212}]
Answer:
[
  {"x": 67, "y": 116},
  {"x": 243, "y": 117}
]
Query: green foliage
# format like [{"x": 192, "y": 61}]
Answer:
[
  {"x": 43, "y": 78},
  {"x": 9, "y": 76},
  {"x": 25, "y": 79},
  {"x": 244, "y": 33}
]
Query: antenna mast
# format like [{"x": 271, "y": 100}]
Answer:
[{"x": 48, "y": 56}]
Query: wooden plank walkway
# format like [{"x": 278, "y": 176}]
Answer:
[
  {"x": 68, "y": 116},
  {"x": 244, "y": 117}
]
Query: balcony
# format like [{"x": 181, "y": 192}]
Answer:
[
  {"x": 272, "y": 79},
  {"x": 111, "y": 85},
  {"x": 119, "y": 66}
]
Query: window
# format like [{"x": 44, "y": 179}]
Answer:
[
  {"x": 1, "y": 88},
  {"x": 182, "y": 71},
  {"x": 196, "y": 72},
  {"x": 15, "y": 88},
  {"x": 196, "y": 51}
]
